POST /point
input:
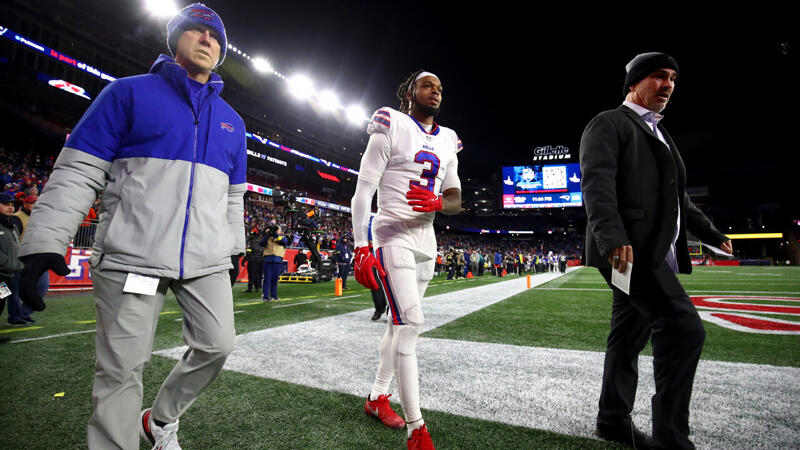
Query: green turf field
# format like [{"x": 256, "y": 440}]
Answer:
[
  {"x": 574, "y": 312},
  {"x": 245, "y": 411}
]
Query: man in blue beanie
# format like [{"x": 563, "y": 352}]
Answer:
[{"x": 169, "y": 156}]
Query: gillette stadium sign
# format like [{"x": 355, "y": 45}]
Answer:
[{"x": 549, "y": 152}]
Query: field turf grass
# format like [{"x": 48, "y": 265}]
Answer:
[
  {"x": 242, "y": 411},
  {"x": 568, "y": 313}
]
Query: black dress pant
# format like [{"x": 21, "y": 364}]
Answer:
[
  {"x": 378, "y": 297},
  {"x": 255, "y": 273},
  {"x": 657, "y": 308}
]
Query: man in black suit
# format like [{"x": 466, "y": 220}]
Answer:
[{"x": 634, "y": 190}]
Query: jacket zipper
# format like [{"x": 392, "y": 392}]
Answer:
[{"x": 191, "y": 190}]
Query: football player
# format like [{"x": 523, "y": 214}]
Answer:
[{"x": 411, "y": 162}]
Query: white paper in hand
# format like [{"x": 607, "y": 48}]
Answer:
[
  {"x": 4, "y": 290},
  {"x": 140, "y": 284},
  {"x": 622, "y": 280},
  {"x": 717, "y": 250}
]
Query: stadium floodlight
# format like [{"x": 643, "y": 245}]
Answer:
[
  {"x": 262, "y": 65},
  {"x": 161, "y": 8},
  {"x": 300, "y": 86},
  {"x": 328, "y": 100},
  {"x": 356, "y": 114}
]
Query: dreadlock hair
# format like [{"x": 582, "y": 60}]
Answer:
[{"x": 405, "y": 104}]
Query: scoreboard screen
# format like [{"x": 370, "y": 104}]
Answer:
[{"x": 542, "y": 186}]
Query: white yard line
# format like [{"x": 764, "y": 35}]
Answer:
[
  {"x": 703, "y": 291},
  {"x": 51, "y": 336},
  {"x": 293, "y": 304}
]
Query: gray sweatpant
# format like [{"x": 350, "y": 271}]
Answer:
[{"x": 126, "y": 325}]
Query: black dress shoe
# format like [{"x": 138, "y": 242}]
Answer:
[
  {"x": 625, "y": 433},
  {"x": 377, "y": 315}
]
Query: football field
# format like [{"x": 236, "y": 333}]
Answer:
[{"x": 501, "y": 366}]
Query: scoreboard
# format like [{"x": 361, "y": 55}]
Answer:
[{"x": 542, "y": 186}]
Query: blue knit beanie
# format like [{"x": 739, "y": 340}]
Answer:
[{"x": 196, "y": 14}]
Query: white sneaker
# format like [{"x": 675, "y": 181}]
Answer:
[{"x": 161, "y": 438}]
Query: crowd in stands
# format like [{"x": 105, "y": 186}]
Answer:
[
  {"x": 518, "y": 253},
  {"x": 23, "y": 173},
  {"x": 326, "y": 226},
  {"x": 460, "y": 253}
]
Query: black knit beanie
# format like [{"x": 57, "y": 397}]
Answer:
[{"x": 643, "y": 65}]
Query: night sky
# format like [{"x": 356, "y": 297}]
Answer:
[
  {"x": 517, "y": 79},
  {"x": 514, "y": 81}
]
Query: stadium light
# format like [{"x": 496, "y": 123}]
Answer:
[
  {"x": 328, "y": 100},
  {"x": 356, "y": 114},
  {"x": 300, "y": 86},
  {"x": 161, "y": 8},
  {"x": 262, "y": 65}
]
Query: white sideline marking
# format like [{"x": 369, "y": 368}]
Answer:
[
  {"x": 292, "y": 304},
  {"x": 702, "y": 291},
  {"x": 51, "y": 336},
  {"x": 733, "y": 405}
]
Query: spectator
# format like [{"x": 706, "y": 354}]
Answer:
[
  {"x": 43, "y": 284},
  {"x": 498, "y": 263},
  {"x": 85, "y": 236},
  {"x": 10, "y": 265},
  {"x": 474, "y": 263}
]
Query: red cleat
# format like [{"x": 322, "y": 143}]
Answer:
[
  {"x": 381, "y": 409},
  {"x": 420, "y": 439}
]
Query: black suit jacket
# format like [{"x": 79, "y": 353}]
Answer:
[{"x": 631, "y": 185}]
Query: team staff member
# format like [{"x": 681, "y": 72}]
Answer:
[
  {"x": 412, "y": 163},
  {"x": 274, "y": 244},
  {"x": 169, "y": 156},
  {"x": 634, "y": 185},
  {"x": 255, "y": 264},
  {"x": 342, "y": 256}
]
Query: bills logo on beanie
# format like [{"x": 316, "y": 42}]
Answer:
[{"x": 193, "y": 15}]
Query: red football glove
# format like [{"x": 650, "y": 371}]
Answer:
[
  {"x": 423, "y": 200},
  {"x": 363, "y": 262}
]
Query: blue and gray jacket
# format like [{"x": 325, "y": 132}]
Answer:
[{"x": 169, "y": 156}]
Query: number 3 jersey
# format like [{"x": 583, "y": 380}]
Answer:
[{"x": 411, "y": 157}]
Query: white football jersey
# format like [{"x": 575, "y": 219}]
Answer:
[{"x": 415, "y": 158}]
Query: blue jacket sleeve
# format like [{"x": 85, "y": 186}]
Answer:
[{"x": 105, "y": 123}]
